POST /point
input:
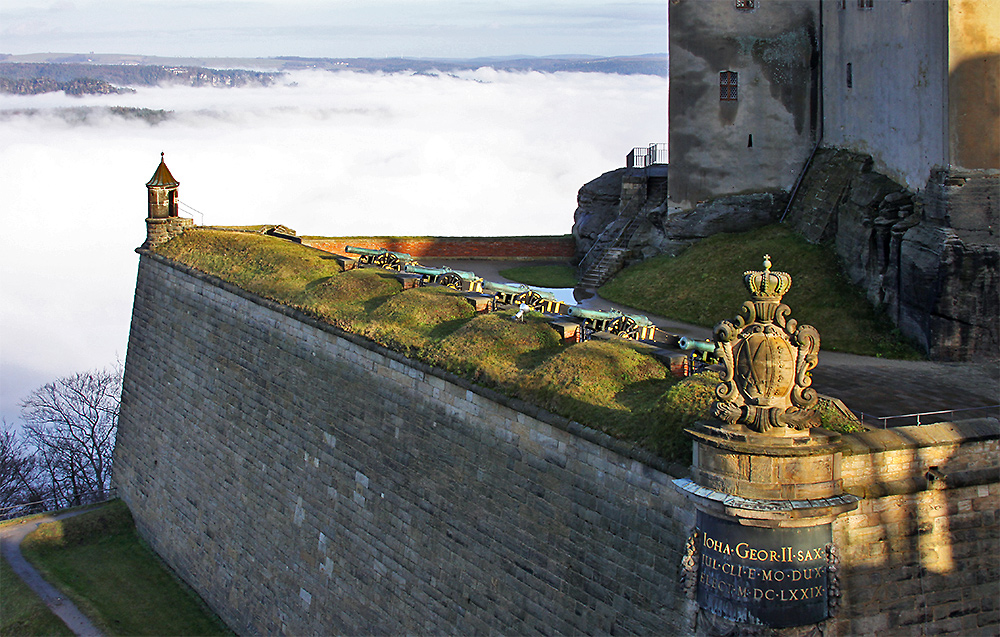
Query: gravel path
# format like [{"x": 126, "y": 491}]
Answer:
[{"x": 10, "y": 545}]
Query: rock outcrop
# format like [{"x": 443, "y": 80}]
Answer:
[
  {"x": 930, "y": 259},
  {"x": 657, "y": 228}
]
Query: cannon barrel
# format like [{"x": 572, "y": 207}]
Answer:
[
  {"x": 374, "y": 252},
  {"x": 640, "y": 320},
  {"x": 429, "y": 271},
  {"x": 365, "y": 251},
  {"x": 702, "y": 346},
  {"x": 594, "y": 315},
  {"x": 505, "y": 288}
]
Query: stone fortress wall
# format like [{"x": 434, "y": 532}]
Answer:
[{"x": 305, "y": 481}]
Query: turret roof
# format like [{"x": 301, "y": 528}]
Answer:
[{"x": 162, "y": 177}]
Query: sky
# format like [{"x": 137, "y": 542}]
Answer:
[
  {"x": 334, "y": 28},
  {"x": 474, "y": 153}
]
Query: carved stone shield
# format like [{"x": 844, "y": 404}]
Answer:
[{"x": 767, "y": 358}]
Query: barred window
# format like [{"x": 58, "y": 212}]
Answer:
[
  {"x": 728, "y": 86},
  {"x": 746, "y": 5},
  {"x": 865, "y": 4}
]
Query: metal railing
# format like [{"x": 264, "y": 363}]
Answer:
[
  {"x": 643, "y": 156},
  {"x": 928, "y": 417},
  {"x": 603, "y": 242},
  {"x": 191, "y": 210},
  {"x": 46, "y": 505}
]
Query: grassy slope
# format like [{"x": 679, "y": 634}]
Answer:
[
  {"x": 605, "y": 385},
  {"x": 704, "y": 285},
  {"x": 98, "y": 560}
]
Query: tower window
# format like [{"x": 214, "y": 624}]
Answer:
[
  {"x": 746, "y": 5},
  {"x": 850, "y": 75},
  {"x": 728, "y": 86},
  {"x": 866, "y": 4}
]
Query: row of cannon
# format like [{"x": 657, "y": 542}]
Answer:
[{"x": 632, "y": 326}]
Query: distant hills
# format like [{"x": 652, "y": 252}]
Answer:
[{"x": 104, "y": 73}]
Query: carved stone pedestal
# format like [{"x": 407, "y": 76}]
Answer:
[
  {"x": 765, "y": 482},
  {"x": 762, "y": 555}
]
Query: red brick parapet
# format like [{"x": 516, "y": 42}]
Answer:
[{"x": 554, "y": 247}]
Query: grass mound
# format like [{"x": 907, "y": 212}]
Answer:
[
  {"x": 264, "y": 265},
  {"x": 98, "y": 560},
  {"x": 591, "y": 375},
  {"x": 703, "y": 285},
  {"x": 493, "y": 349},
  {"x": 408, "y": 321}
]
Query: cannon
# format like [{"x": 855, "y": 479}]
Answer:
[
  {"x": 705, "y": 348},
  {"x": 380, "y": 257},
  {"x": 461, "y": 280},
  {"x": 633, "y": 326},
  {"x": 517, "y": 293}
]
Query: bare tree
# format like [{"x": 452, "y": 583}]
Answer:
[
  {"x": 72, "y": 423},
  {"x": 19, "y": 485}
]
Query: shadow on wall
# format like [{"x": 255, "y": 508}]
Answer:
[{"x": 920, "y": 550}]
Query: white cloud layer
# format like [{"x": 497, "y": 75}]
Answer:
[{"x": 482, "y": 153}]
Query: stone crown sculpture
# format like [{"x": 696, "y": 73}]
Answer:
[{"x": 767, "y": 358}]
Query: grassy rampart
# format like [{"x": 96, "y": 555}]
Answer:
[{"x": 605, "y": 385}]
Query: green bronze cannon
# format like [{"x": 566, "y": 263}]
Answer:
[
  {"x": 380, "y": 257},
  {"x": 517, "y": 294},
  {"x": 632, "y": 326},
  {"x": 461, "y": 280},
  {"x": 705, "y": 348}
]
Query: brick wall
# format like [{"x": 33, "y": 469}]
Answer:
[
  {"x": 544, "y": 247},
  {"x": 304, "y": 481}
]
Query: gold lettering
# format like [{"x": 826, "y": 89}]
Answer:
[
  {"x": 742, "y": 555},
  {"x": 800, "y": 556},
  {"x": 796, "y": 575},
  {"x": 766, "y": 575},
  {"x": 774, "y": 556},
  {"x": 769, "y": 594},
  {"x": 779, "y": 576},
  {"x": 727, "y": 551}
]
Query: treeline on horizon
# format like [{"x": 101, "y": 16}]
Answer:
[
  {"x": 32, "y": 78},
  {"x": 78, "y": 78}
]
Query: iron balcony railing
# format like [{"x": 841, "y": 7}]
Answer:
[{"x": 927, "y": 417}]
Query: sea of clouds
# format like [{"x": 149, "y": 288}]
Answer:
[{"x": 471, "y": 154}]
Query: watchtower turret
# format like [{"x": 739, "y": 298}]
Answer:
[
  {"x": 163, "y": 221},
  {"x": 162, "y": 193}
]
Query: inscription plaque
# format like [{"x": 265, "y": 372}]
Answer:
[{"x": 772, "y": 577}]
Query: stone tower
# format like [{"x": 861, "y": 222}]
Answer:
[{"x": 162, "y": 220}]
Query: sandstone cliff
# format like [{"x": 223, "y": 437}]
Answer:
[{"x": 931, "y": 259}]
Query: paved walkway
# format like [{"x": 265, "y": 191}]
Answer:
[
  {"x": 875, "y": 386},
  {"x": 10, "y": 545}
]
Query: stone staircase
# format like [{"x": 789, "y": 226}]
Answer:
[{"x": 608, "y": 253}]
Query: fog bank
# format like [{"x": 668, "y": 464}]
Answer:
[{"x": 477, "y": 153}]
